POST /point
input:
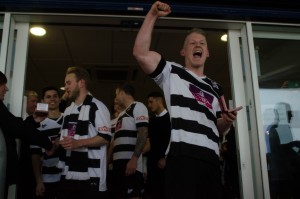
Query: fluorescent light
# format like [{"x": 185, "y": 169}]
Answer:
[
  {"x": 38, "y": 31},
  {"x": 224, "y": 38}
]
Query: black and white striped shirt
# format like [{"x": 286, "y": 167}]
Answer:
[
  {"x": 193, "y": 103},
  {"x": 133, "y": 117},
  {"x": 98, "y": 118},
  {"x": 50, "y": 127}
]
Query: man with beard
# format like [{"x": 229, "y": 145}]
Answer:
[{"x": 85, "y": 134}]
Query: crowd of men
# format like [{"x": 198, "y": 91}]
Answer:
[{"x": 77, "y": 148}]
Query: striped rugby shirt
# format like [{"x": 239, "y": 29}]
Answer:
[
  {"x": 193, "y": 103},
  {"x": 133, "y": 117},
  {"x": 50, "y": 127},
  {"x": 99, "y": 125}
]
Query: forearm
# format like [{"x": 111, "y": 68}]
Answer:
[
  {"x": 141, "y": 140},
  {"x": 147, "y": 59},
  {"x": 147, "y": 146},
  {"x": 37, "y": 167},
  {"x": 110, "y": 152},
  {"x": 92, "y": 142}
]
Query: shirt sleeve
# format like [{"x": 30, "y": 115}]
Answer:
[
  {"x": 140, "y": 114},
  {"x": 102, "y": 122}
]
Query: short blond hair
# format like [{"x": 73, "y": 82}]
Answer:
[
  {"x": 29, "y": 93},
  {"x": 195, "y": 30},
  {"x": 80, "y": 74}
]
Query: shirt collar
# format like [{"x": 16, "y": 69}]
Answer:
[{"x": 162, "y": 113}]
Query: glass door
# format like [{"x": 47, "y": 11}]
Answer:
[{"x": 278, "y": 76}]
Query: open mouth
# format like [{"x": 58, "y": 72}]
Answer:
[{"x": 197, "y": 54}]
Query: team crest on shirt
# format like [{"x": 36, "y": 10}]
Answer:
[
  {"x": 202, "y": 97},
  {"x": 215, "y": 84}
]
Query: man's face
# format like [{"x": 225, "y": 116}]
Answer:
[
  {"x": 32, "y": 101},
  {"x": 153, "y": 104},
  {"x": 72, "y": 86},
  {"x": 119, "y": 99},
  {"x": 52, "y": 99},
  {"x": 3, "y": 90},
  {"x": 195, "y": 50}
]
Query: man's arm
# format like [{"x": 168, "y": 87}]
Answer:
[
  {"x": 110, "y": 152},
  {"x": 147, "y": 146},
  {"x": 37, "y": 171},
  {"x": 70, "y": 143},
  {"x": 16, "y": 128},
  {"x": 101, "y": 121},
  {"x": 33, "y": 135},
  {"x": 148, "y": 60},
  {"x": 140, "y": 143}
]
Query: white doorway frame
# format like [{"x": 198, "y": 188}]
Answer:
[
  {"x": 13, "y": 57},
  {"x": 242, "y": 61}
]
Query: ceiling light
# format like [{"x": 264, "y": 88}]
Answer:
[
  {"x": 62, "y": 88},
  {"x": 38, "y": 31},
  {"x": 224, "y": 38}
]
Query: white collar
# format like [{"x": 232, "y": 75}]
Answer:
[{"x": 162, "y": 113}]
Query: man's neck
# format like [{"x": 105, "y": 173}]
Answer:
[
  {"x": 159, "y": 110},
  {"x": 199, "y": 71},
  {"x": 80, "y": 99},
  {"x": 128, "y": 102},
  {"x": 54, "y": 113}
]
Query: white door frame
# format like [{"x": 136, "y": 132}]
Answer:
[
  {"x": 254, "y": 179},
  {"x": 13, "y": 58}
]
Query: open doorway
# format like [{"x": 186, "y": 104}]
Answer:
[{"x": 106, "y": 51}]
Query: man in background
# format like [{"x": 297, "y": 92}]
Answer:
[
  {"x": 32, "y": 100},
  {"x": 47, "y": 175},
  {"x": 159, "y": 136},
  {"x": 129, "y": 140},
  {"x": 26, "y": 186}
]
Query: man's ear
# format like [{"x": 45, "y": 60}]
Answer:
[
  {"x": 81, "y": 83},
  {"x": 182, "y": 52},
  {"x": 122, "y": 92}
]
